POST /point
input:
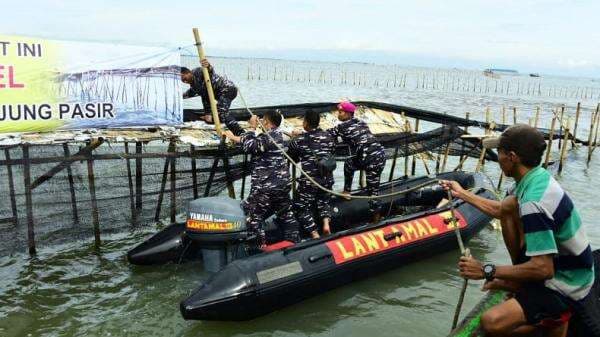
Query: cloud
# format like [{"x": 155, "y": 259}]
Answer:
[{"x": 557, "y": 34}]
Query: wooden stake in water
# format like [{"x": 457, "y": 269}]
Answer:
[
  {"x": 550, "y": 136},
  {"x": 481, "y": 158},
  {"x": 576, "y": 123},
  {"x": 560, "y": 130},
  {"x": 591, "y": 134},
  {"x": 537, "y": 117},
  {"x": 414, "y": 158},
  {"x": 487, "y": 120},
  {"x": 563, "y": 150},
  {"x": 407, "y": 128},
  {"x": 596, "y": 133},
  {"x": 446, "y": 152},
  {"x": 462, "y": 148}
]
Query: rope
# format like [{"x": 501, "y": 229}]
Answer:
[
  {"x": 323, "y": 188},
  {"x": 465, "y": 252}
]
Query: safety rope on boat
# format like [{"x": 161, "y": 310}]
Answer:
[{"x": 323, "y": 188}]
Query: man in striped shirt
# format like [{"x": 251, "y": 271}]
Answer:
[{"x": 553, "y": 265}]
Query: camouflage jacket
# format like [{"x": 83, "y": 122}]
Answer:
[
  {"x": 269, "y": 166},
  {"x": 221, "y": 86},
  {"x": 307, "y": 148},
  {"x": 356, "y": 133}
]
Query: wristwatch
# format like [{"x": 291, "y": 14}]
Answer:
[{"x": 489, "y": 270}]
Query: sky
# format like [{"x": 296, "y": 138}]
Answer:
[{"x": 558, "y": 37}]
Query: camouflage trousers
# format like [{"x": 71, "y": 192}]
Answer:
[
  {"x": 310, "y": 200},
  {"x": 373, "y": 164},
  {"x": 261, "y": 204}
]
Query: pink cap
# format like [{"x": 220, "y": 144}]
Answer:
[{"x": 346, "y": 106}]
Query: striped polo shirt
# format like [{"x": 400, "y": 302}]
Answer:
[{"x": 552, "y": 225}]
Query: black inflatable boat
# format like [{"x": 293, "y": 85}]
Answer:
[{"x": 248, "y": 284}]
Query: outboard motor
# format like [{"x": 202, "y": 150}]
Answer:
[{"x": 218, "y": 224}]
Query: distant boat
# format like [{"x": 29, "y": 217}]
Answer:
[
  {"x": 490, "y": 73},
  {"x": 534, "y": 75},
  {"x": 499, "y": 71}
]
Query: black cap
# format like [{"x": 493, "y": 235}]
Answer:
[{"x": 524, "y": 140}]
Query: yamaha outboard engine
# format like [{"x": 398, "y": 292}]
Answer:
[{"x": 218, "y": 224}]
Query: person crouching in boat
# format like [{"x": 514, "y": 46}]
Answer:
[
  {"x": 270, "y": 179},
  {"x": 225, "y": 92},
  {"x": 552, "y": 258},
  {"x": 368, "y": 154},
  {"x": 314, "y": 149}
]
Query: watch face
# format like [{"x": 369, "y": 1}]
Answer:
[{"x": 487, "y": 269}]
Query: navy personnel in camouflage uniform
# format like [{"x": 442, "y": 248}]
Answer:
[
  {"x": 368, "y": 153},
  {"x": 309, "y": 148},
  {"x": 225, "y": 92},
  {"x": 270, "y": 179}
]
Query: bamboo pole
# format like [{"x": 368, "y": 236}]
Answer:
[
  {"x": 163, "y": 185},
  {"x": 11, "y": 187},
  {"x": 28, "y": 200},
  {"x": 407, "y": 128},
  {"x": 208, "y": 84},
  {"x": 138, "y": 179},
  {"x": 393, "y": 167},
  {"x": 537, "y": 117},
  {"x": 414, "y": 159},
  {"x": 446, "y": 152},
  {"x": 503, "y": 115},
  {"x": 564, "y": 147},
  {"x": 462, "y": 148},
  {"x": 130, "y": 184},
  {"x": 562, "y": 115},
  {"x": 514, "y": 115},
  {"x": 591, "y": 134},
  {"x": 577, "y": 112},
  {"x": 173, "y": 180},
  {"x": 481, "y": 158},
  {"x": 487, "y": 120},
  {"x": 71, "y": 186},
  {"x": 92, "y": 187},
  {"x": 596, "y": 133},
  {"x": 550, "y": 136},
  {"x": 64, "y": 163}
]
